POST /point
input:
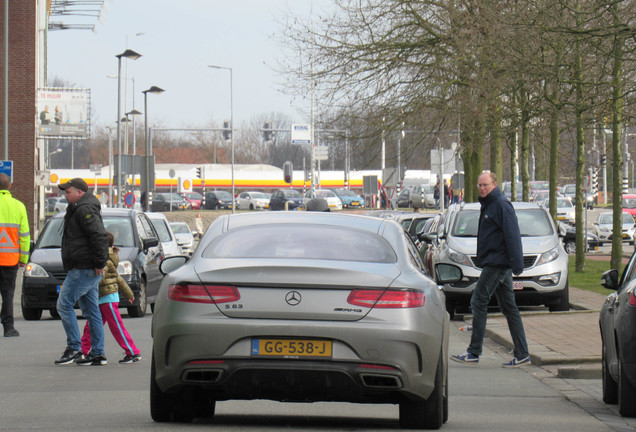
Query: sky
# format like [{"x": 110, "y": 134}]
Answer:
[{"x": 180, "y": 39}]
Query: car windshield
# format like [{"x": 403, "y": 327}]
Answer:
[
  {"x": 532, "y": 223},
  {"x": 194, "y": 196},
  {"x": 322, "y": 193},
  {"x": 564, "y": 202},
  {"x": 292, "y": 194},
  {"x": 428, "y": 189},
  {"x": 608, "y": 218},
  {"x": 162, "y": 229},
  {"x": 180, "y": 228},
  {"x": 223, "y": 195},
  {"x": 345, "y": 192},
  {"x": 629, "y": 202},
  {"x": 258, "y": 195},
  {"x": 120, "y": 227},
  {"x": 296, "y": 241},
  {"x": 175, "y": 197},
  {"x": 539, "y": 185}
]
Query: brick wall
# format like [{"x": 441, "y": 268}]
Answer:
[{"x": 22, "y": 94}]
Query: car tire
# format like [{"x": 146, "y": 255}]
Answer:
[
  {"x": 31, "y": 314},
  {"x": 140, "y": 310},
  {"x": 626, "y": 393},
  {"x": 251, "y": 207},
  {"x": 165, "y": 407},
  {"x": 610, "y": 387},
  {"x": 426, "y": 414},
  {"x": 562, "y": 304},
  {"x": 54, "y": 313},
  {"x": 217, "y": 207},
  {"x": 450, "y": 308},
  {"x": 570, "y": 247}
]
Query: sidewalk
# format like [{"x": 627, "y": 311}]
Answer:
[{"x": 567, "y": 342}]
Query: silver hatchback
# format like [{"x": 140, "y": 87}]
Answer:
[
  {"x": 545, "y": 276},
  {"x": 300, "y": 306}
]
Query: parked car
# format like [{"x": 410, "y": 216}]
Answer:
[
  {"x": 629, "y": 204},
  {"x": 185, "y": 238},
  {"x": 506, "y": 189},
  {"x": 300, "y": 306},
  {"x": 253, "y": 201},
  {"x": 139, "y": 256},
  {"x": 166, "y": 236},
  {"x": 545, "y": 276},
  {"x": 420, "y": 196},
  {"x": 568, "y": 234},
  {"x": 166, "y": 201},
  {"x": 412, "y": 222},
  {"x": 604, "y": 226},
  {"x": 285, "y": 199},
  {"x": 330, "y": 196},
  {"x": 565, "y": 209},
  {"x": 569, "y": 191},
  {"x": 60, "y": 205},
  {"x": 51, "y": 201},
  {"x": 218, "y": 200},
  {"x": 618, "y": 321},
  {"x": 349, "y": 198},
  {"x": 195, "y": 199}
]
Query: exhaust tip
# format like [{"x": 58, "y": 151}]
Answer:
[
  {"x": 380, "y": 381},
  {"x": 201, "y": 376}
]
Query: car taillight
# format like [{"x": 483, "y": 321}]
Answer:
[
  {"x": 632, "y": 298},
  {"x": 386, "y": 299},
  {"x": 203, "y": 293}
]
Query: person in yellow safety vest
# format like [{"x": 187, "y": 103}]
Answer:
[{"x": 15, "y": 242}]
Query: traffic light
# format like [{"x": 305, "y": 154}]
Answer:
[
  {"x": 594, "y": 181},
  {"x": 268, "y": 133},
  {"x": 288, "y": 172},
  {"x": 200, "y": 172},
  {"x": 227, "y": 131}
]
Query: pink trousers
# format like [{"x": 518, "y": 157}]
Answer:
[{"x": 110, "y": 315}]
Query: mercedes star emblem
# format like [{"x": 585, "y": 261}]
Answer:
[{"x": 293, "y": 298}]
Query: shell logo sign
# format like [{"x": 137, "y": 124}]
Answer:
[
  {"x": 53, "y": 178},
  {"x": 187, "y": 186}
]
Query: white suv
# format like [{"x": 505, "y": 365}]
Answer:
[{"x": 545, "y": 276}]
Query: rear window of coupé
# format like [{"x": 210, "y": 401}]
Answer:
[{"x": 301, "y": 242}]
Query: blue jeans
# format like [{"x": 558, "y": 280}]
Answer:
[
  {"x": 81, "y": 286},
  {"x": 498, "y": 281}
]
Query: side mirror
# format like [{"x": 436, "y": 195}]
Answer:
[
  {"x": 172, "y": 263},
  {"x": 427, "y": 237},
  {"x": 609, "y": 279},
  {"x": 150, "y": 242},
  {"x": 448, "y": 273},
  {"x": 562, "y": 230}
]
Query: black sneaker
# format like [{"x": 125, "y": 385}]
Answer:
[
  {"x": 130, "y": 359},
  {"x": 70, "y": 355},
  {"x": 11, "y": 333},
  {"x": 92, "y": 360}
]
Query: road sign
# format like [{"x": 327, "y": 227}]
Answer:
[
  {"x": 301, "y": 133},
  {"x": 322, "y": 152},
  {"x": 129, "y": 199},
  {"x": 6, "y": 167}
]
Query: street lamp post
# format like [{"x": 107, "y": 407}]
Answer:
[
  {"x": 153, "y": 90},
  {"x": 133, "y": 56},
  {"x": 231, "y": 125},
  {"x": 48, "y": 162}
]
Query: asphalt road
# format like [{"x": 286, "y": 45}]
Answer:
[{"x": 36, "y": 395}]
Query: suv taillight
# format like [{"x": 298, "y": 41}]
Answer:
[
  {"x": 190, "y": 293},
  {"x": 386, "y": 299},
  {"x": 631, "y": 298}
]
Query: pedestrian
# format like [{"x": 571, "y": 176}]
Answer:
[
  {"x": 436, "y": 195},
  {"x": 446, "y": 193},
  {"x": 84, "y": 256},
  {"x": 15, "y": 241},
  {"x": 111, "y": 285},
  {"x": 198, "y": 225},
  {"x": 500, "y": 255}
]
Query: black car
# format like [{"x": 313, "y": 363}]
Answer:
[
  {"x": 618, "y": 323},
  {"x": 139, "y": 256},
  {"x": 285, "y": 199},
  {"x": 217, "y": 200},
  {"x": 568, "y": 234},
  {"x": 166, "y": 201}
]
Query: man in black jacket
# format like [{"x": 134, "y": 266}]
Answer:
[
  {"x": 84, "y": 256},
  {"x": 499, "y": 254}
]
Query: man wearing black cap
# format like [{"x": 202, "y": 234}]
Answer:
[{"x": 84, "y": 256}]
